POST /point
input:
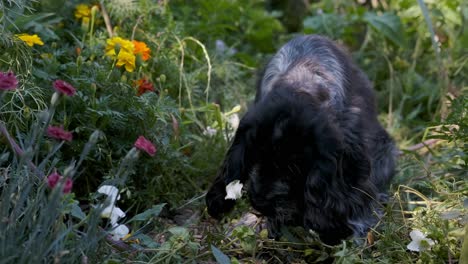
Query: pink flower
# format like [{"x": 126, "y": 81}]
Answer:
[
  {"x": 145, "y": 145},
  {"x": 8, "y": 81},
  {"x": 64, "y": 88},
  {"x": 68, "y": 185},
  {"x": 53, "y": 179},
  {"x": 59, "y": 133}
]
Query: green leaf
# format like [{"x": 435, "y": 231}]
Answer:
[
  {"x": 147, "y": 241},
  {"x": 180, "y": 232},
  {"x": 77, "y": 212},
  {"x": 220, "y": 257},
  {"x": 387, "y": 24},
  {"x": 148, "y": 214}
]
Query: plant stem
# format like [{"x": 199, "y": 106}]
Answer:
[
  {"x": 18, "y": 151},
  {"x": 107, "y": 21}
]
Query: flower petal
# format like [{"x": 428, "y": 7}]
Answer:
[
  {"x": 209, "y": 131},
  {"x": 234, "y": 121},
  {"x": 63, "y": 87},
  {"x": 53, "y": 179},
  {"x": 113, "y": 213},
  {"x": 8, "y": 81},
  {"x": 145, "y": 145},
  {"x": 417, "y": 235},
  {"x": 119, "y": 232},
  {"x": 106, "y": 212},
  {"x": 109, "y": 190},
  {"x": 68, "y": 185},
  {"x": 234, "y": 190},
  {"x": 116, "y": 214},
  {"x": 414, "y": 246}
]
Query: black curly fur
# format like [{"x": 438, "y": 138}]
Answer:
[{"x": 310, "y": 148}]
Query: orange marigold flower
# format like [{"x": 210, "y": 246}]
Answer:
[
  {"x": 142, "y": 49},
  {"x": 144, "y": 86}
]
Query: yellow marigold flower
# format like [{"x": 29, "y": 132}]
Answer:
[
  {"x": 126, "y": 59},
  {"x": 30, "y": 40},
  {"x": 142, "y": 49},
  {"x": 122, "y": 45},
  {"x": 82, "y": 11}
]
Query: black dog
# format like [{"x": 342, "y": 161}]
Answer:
[{"x": 311, "y": 146}]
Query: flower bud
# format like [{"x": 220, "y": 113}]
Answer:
[
  {"x": 94, "y": 10},
  {"x": 44, "y": 116},
  {"x": 54, "y": 99},
  {"x": 162, "y": 78},
  {"x": 133, "y": 154},
  {"x": 69, "y": 171},
  {"x": 94, "y": 137},
  {"x": 79, "y": 60},
  {"x": 68, "y": 185}
]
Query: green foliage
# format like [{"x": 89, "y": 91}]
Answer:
[
  {"x": 246, "y": 237},
  {"x": 204, "y": 55},
  {"x": 178, "y": 246},
  {"x": 220, "y": 256},
  {"x": 393, "y": 45}
]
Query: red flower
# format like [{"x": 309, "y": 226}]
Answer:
[
  {"x": 144, "y": 86},
  {"x": 8, "y": 81},
  {"x": 53, "y": 179},
  {"x": 145, "y": 145},
  {"x": 59, "y": 133},
  {"x": 68, "y": 185},
  {"x": 64, "y": 88}
]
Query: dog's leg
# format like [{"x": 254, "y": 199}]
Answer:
[{"x": 384, "y": 155}]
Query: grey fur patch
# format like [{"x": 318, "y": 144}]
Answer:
[{"x": 306, "y": 60}]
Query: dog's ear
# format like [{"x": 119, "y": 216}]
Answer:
[
  {"x": 325, "y": 204},
  {"x": 324, "y": 209},
  {"x": 337, "y": 190},
  {"x": 236, "y": 166}
]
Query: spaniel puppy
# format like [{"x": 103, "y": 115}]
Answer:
[{"x": 310, "y": 148}]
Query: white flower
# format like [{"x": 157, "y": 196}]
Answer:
[
  {"x": 113, "y": 213},
  {"x": 209, "y": 131},
  {"x": 233, "y": 120},
  {"x": 111, "y": 191},
  {"x": 119, "y": 232},
  {"x": 234, "y": 190},
  {"x": 222, "y": 48},
  {"x": 420, "y": 242}
]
